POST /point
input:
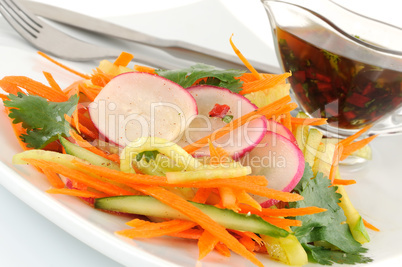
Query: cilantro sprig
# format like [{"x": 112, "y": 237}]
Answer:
[
  {"x": 188, "y": 76},
  {"x": 324, "y": 236},
  {"x": 43, "y": 120}
]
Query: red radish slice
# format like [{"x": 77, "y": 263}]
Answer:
[
  {"x": 137, "y": 104},
  {"x": 279, "y": 160},
  {"x": 279, "y": 128},
  {"x": 237, "y": 142}
]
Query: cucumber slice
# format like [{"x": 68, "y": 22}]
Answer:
[
  {"x": 87, "y": 155},
  {"x": 149, "y": 206}
]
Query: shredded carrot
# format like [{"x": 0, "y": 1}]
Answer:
[
  {"x": 63, "y": 66},
  {"x": 282, "y": 212},
  {"x": 84, "y": 130},
  {"x": 287, "y": 121},
  {"x": 188, "y": 234},
  {"x": 137, "y": 222},
  {"x": 52, "y": 82},
  {"x": 157, "y": 229},
  {"x": 146, "y": 69},
  {"x": 81, "y": 177},
  {"x": 243, "y": 197},
  {"x": 350, "y": 148},
  {"x": 18, "y": 131},
  {"x": 10, "y": 88},
  {"x": 277, "y": 107},
  {"x": 370, "y": 226},
  {"x": 53, "y": 178},
  {"x": 353, "y": 137},
  {"x": 200, "y": 218},
  {"x": 206, "y": 243},
  {"x": 244, "y": 60},
  {"x": 264, "y": 83},
  {"x": 85, "y": 144},
  {"x": 222, "y": 249},
  {"x": 228, "y": 198},
  {"x": 281, "y": 222},
  {"x": 3, "y": 97},
  {"x": 123, "y": 59},
  {"x": 91, "y": 93},
  {"x": 76, "y": 193},
  {"x": 343, "y": 182},
  {"x": 202, "y": 194},
  {"x": 309, "y": 121},
  {"x": 100, "y": 78},
  {"x": 36, "y": 88},
  {"x": 251, "y": 235}
]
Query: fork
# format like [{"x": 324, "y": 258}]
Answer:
[{"x": 57, "y": 43}]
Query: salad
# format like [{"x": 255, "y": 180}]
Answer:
[{"x": 200, "y": 153}]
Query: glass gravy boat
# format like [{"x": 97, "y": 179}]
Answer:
[{"x": 345, "y": 67}]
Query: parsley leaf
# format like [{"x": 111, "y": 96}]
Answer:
[
  {"x": 148, "y": 155},
  {"x": 325, "y": 227},
  {"x": 188, "y": 76},
  {"x": 43, "y": 120}
]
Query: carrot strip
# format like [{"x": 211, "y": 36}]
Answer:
[
  {"x": 131, "y": 179},
  {"x": 370, "y": 226},
  {"x": 206, "y": 244},
  {"x": 353, "y": 137},
  {"x": 3, "y": 97},
  {"x": 146, "y": 69},
  {"x": 137, "y": 222},
  {"x": 91, "y": 93},
  {"x": 188, "y": 234},
  {"x": 63, "y": 66},
  {"x": 228, "y": 198},
  {"x": 287, "y": 121},
  {"x": 243, "y": 59},
  {"x": 269, "y": 110},
  {"x": 53, "y": 178},
  {"x": 80, "y": 177},
  {"x": 52, "y": 82},
  {"x": 222, "y": 249},
  {"x": 200, "y": 218},
  {"x": 84, "y": 130},
  {"x": 265, "y": 83},
  {"x": 18, "y": 131},
  {"x": 243, "y": 197},
  {"x": 85, "y": 144},
  {"x": 350, "y": 148},
  {"x": 10, "y": 87},
  {"x": 282, "y": 212},
  {"x": 157, "y": 229},
  {"x": 123, "y": 59},
  {"x": 202, "y": 194},
  {"x": 281, "y": 222},
  {"x": 100, "y": 78},
  {"x": 251, "y": 235},
  {"x": 309, "y": 121},
  {"x": 343, "y": 182},
  {"x": 76, "y": 193},
  {"x": 36, "y": 88}
]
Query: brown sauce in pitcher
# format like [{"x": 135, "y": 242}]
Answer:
[{"x": 349, "y": 93}]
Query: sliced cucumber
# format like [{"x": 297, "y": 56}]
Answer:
[
  {"x": 87, "y": 155},
  {"x": 149, "y": 206}
]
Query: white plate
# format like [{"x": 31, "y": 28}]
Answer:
[{"x": 376, "y": 195}]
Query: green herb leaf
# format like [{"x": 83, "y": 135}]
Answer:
[
  {"x": 43, "y": 120},
  {"x": 148, "y": 155},
  {"x": 227, "y": 118},
  {"x": 188, "y": 76},
  {"x": 325, "y": 227}
]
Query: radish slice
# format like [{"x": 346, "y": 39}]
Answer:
[
  {"x": 137, "y": 104},
  {"x": 237, "y": 142},
  {"x": 279, "y": 128},
  {"x": 279, "y": 160}
]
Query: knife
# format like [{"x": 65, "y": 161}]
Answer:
[{"x": 103, "y": 27}]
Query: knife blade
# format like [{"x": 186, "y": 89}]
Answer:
[{"x": 104, "y": 27}]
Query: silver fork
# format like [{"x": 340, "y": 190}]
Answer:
[{"x": 57, "y": 43}]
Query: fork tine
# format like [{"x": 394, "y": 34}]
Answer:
[{"x": 19, "y": 18}]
